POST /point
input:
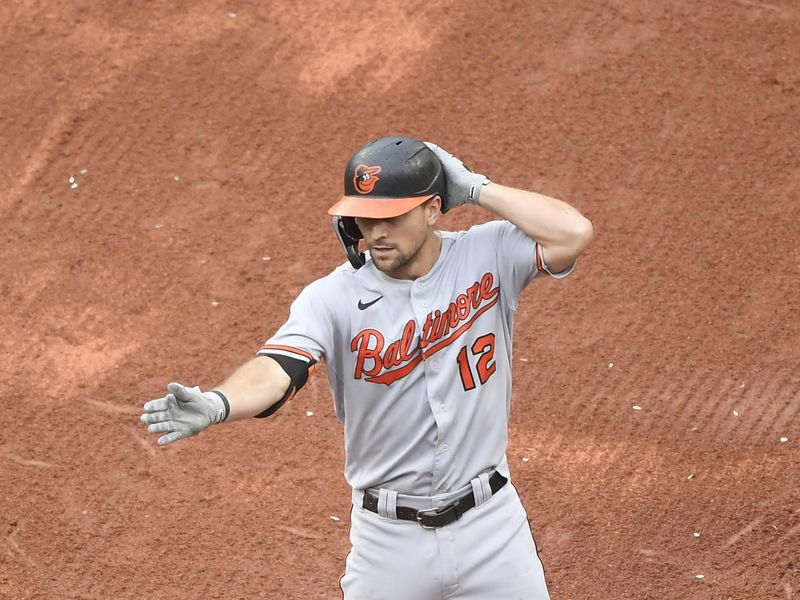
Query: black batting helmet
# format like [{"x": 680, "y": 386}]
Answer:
[{"x": 384, "y": 179}]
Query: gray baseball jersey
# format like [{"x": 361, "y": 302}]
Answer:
[{"x": 420, "y": 370}]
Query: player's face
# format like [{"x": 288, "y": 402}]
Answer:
[{"x": 403, "y": 247}]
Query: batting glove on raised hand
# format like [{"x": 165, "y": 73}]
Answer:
[
  {"x": 182, "y": 413},
  {"x": 463, "y": 185}
]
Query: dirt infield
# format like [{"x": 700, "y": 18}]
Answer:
[{"x": 164, "y": 175}]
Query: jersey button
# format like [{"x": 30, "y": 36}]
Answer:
[
  {"x": 444, "y": 447},
  {"x": 443, "y": 407},
  {"x": 436, "y": 365}
]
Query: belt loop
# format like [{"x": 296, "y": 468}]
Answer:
[
  {"x": 481, "y": 489},
  {"x": 391, "y": 504},
  {"x": 387, "y": 503},
  {"x": 477, "y": 492},
  {"x": 487, "y": 489}
]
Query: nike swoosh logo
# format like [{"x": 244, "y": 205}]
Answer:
[{"x": 364, "y": 306}]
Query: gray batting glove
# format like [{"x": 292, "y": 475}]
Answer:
[
  {"x": 182, "y": 413},
  {"x": 463, "y": 185}
]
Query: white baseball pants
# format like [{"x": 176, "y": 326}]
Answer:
[{"x": 488, "y": 554}]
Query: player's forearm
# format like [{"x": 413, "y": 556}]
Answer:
[
  {"x": 561, "y": 229},
  {"x": 254, "y": 387}
]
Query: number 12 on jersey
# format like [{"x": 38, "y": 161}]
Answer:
[{"x": 483, "y": 348}]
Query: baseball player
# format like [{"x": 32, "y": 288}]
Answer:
[{"x": 416, "y": 331}]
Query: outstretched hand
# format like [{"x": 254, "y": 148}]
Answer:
[
  {"x": 183, "y": 412},
  {"x": 463, "y": 185}
]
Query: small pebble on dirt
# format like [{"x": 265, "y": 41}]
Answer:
[
  {"x": 84, "y": 171},
  {"x": 71, "y": 179},
  {"x": 74, "y": 185},
  {"x": 741, "y": 387},
  {"x": 523, "y": 360},
  {"x": 610, "y": 365},
  {"x": 333, "y": 518},
  {"x": 232, "y": 15},
  {"x": 736, "y": 413},
  {"x": 309, "y": 413},
  {"x": 637, "y": 407},
  {"x": 159, "y": 225},
  {"x": 214, "y": 303},
  {"x": 177, "y": 178},
  {"x": 525, "y": 459},
  {"x": 696, "y": 534},
  {"x": 266, "y": 258},
  {"x": 699, "y": 576},
  {"x": 690, "y": 477},
  {"x": 784, "y": 440}
]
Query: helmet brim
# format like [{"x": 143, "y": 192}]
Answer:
[{"x": 371, "y": 207}]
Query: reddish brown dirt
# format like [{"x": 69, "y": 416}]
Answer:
[{"x": 214, "y": 133}]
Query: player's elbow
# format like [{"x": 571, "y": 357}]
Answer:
[{"x": 581, "y": 234}]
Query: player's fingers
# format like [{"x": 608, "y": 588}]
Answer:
[
  {"x": 169, "y": 438},
  {"x": 156, "y": 417},
  {"x": 183, "y": 393},
  {"x": 162, "y": 427},
  {"x": 158, "y": 404},
  {"x": 439, "y": 151},
  {"x": 436, "y": 149}
]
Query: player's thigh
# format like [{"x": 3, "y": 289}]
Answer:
[
  {"x": 497, "y": 553},
  {"x": 390, "y": 560}
]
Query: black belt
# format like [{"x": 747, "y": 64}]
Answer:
[{"x": 437, "y": 517}]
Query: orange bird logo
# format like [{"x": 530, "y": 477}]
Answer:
[{"x": 365, "y": 178}]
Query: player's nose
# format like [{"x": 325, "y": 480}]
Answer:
[{"x": 376, "y": 230}]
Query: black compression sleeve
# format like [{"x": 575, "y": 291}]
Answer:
[{"x": 297, "y": 370}]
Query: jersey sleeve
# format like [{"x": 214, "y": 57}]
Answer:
[
  {"x": 300, "y": 343},
  {"x": 307, "y": 332},
  {"x": 519, "y": 259}
]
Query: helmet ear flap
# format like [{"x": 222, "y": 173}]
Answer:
[
  {"x": 351, "y": 229},
  {"x": 348, "y": 234}
]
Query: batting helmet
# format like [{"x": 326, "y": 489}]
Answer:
[{"x": 384, "y": 179}]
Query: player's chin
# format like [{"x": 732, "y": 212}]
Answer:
[
  {"x": 385, "y": 263},
  {"x": 382, "y": 264}
]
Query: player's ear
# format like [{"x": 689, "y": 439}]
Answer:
[{"x": 433, "y": 208}]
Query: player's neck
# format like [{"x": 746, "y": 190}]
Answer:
[{"x": 423, "y": 262}]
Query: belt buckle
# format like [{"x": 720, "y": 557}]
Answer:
[
  {"x": 433, "y": 513},
  {"x": 437, "y": 512}
]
